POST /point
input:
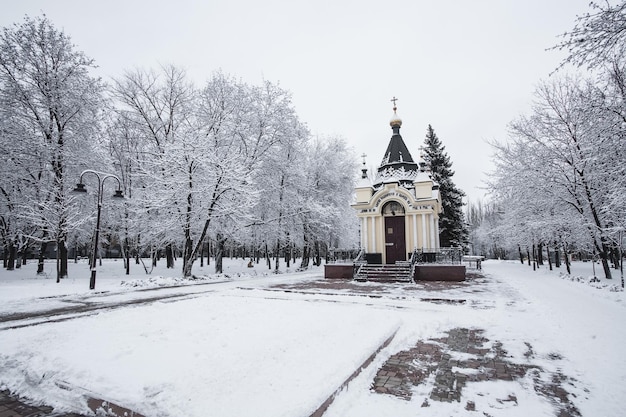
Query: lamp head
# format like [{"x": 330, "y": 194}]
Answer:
[{"x": 80, "y": 188}]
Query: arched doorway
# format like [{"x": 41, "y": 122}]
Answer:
[{"x": 395, "y": 244}]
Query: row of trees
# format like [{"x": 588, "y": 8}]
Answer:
[
  {"x": 224, "y": 162},
  {"x": 560, "y": 180}
]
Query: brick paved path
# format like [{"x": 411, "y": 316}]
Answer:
[
  {"x": 14, "y": 407},
  {"x": 435, "y": 358}
]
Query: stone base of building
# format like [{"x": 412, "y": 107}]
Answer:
[
  {"x": 422, "y": 272},
  {"x": 439, "y": 273},
  {"x": 338, "y": 271}
]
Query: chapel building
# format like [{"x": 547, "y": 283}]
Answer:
[{"x": 398, "y": 206}]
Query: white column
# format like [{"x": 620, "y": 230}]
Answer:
[
  {"x": 364, "y": 233},
  {"x": 432, "y": 231},
  {"x": 436, "y": 232},
  {"x": 423, "y": 230},
  {"x": 373, "y": 234},
  {"x": 414, "y": 231}
]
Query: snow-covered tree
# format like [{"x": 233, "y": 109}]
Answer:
[
  {"x": 156, "y": 105},
  {"x": 452, "y": 227},
  {"x": 598, "y": 42},
  {"x": 200, "y": 155},
  {"x": 327, "y": 194},
  {"x": 281, "y": 177},
  {"x": 557, "y": 171},
  {"x": 486, "y": 237},
  {"x": 124, "y": 144},
  {"x": 263, "y": 120},
  {"x": 598, "y": 37},
  {"x": 52, "y": 104},
  {"x": 225, "y": 163}
]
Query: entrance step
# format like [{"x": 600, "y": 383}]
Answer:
[{"x": 398, "y": 272}]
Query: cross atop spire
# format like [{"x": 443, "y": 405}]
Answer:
[
  {"x": 394, "y": 99},
  {"x": 364, "y": 169},
  {"x": 395, "y": 120}
]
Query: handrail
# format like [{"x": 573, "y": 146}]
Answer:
[
  {"x": 413, "y": 263},
  {"x": 358, "y": 263},
  {"x": 359, "y": 256},
  {"x": 448, "y": 255}
]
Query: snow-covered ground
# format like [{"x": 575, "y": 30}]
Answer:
[{"x": 252, "y": 343}]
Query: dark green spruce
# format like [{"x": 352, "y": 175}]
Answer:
[{"x": 452, "y": 227}]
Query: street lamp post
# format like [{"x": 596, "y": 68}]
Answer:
[
  {"x": 80, "y": 188},
  {"x": 621, "y": 254}
]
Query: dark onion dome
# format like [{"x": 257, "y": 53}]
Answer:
[
  {"x": 397, "y": 164},
  {"x": 395, "y": 119}
]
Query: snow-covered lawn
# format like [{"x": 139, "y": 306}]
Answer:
[{"x": 251, "y": 343}]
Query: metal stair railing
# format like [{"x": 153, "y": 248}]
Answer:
[
  {"x": 414, "y": 260},
  {"x": 358, "y": 263}
]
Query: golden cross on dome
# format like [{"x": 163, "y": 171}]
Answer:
[{"x": 394, "y": 99}]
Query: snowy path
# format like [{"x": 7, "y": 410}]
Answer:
[
  {"x": 66, "y": 307},
  {"x": 567, "y": 329},
  {"x": 582, "y": 324},
  {"x": 280, "y": 345}
]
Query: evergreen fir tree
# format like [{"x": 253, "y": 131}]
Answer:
[{"x": 452, "y": 227}]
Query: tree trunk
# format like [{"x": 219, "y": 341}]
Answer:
[
  {"x": 169, "y": 256},
  {"x": 318, "y": 259},
  {"x": 219, "y": 252},
  {"x": 521, "y": 255},
  {"x": 557, "y": 255},
  {"x": 62, "y": 255},
  {"x": 602, "y": 245},
  {"x": 287, "y": 251},
  {"x": 42, "y": 257},
  {"x": 137, "y": 254},
  {"x": 540, "y": 253},
  {"x": 24, "y": 254},
  {"x": 305, "y": 252},
  {"x": 127, "y": 254},
  {"x": 277, "y": 255},
  {"x": 202, "y": 255},
  {"x": 126, "y": 245},
  {"x": 188, "y": 254},
  {"x": 528, "y": 254},
  {"x": 566, "y": 257},
  {"x": 605, "y": 263},
  {"x": 11, "y": 260},
  {"x": 549, "y": 258}
]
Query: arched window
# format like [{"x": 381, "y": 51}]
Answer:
[{"x": 393, "y": 208}]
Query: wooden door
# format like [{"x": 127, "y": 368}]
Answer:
[{"x": 395, "y": 246}]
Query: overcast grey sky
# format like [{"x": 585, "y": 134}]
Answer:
[{"x": 466, "y": 67}]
